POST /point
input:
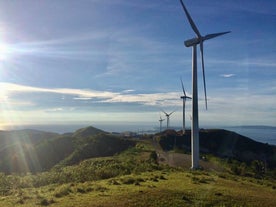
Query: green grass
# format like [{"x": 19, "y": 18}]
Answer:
[
  {"x": 133, "y": 178},
  {"x": 158, "y": 188}
]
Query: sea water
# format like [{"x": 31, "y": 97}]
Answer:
[{"x": 259, "y": 133}]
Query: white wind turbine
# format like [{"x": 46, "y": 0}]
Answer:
[
  {"x": 198, "y": 40},
  {"x": 161, "y": 120},
  {"x": 184, "y": 97},
  {"x": 168, "y": 118}
]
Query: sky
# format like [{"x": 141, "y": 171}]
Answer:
[{"x": 120, "y": 61}]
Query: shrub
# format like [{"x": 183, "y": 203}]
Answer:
[
  {"x": 63, "y": 190},
  {"x": 258, "y": 168},
  {"x": 128, "y": 180},
  {"x": 153, "y": 156}
]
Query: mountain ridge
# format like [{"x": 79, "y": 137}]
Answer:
[
  {"x": 222, "y": 143},
  {"x": 35, "y": 151},
  {"x": 22, "y": 154}
]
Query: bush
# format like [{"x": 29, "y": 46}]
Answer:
[
  {"x": 44, "y": 202},
  {"x": 63, "y": 190},
  {"x": 239, "y": 168},
  {"x": 153, "y": 156},
  {"x": 258, "y": 168}
]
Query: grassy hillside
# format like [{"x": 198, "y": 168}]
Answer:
[
  {"x": 154, "y": 189},
  {"x": 134, "y": 178},
  {"x": 19, "y": 146},
  {"x": 93, "y": 168},
  {"x": 221, "y": 143},
  {"x": 35, "y": 151},
  {"x": 100, "y": 145}
]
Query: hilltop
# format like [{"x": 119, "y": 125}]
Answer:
[
  {"x": 36, "y": 151},
  {"x": 88, "y": 131},
  {"x": 220, "y": 143}
]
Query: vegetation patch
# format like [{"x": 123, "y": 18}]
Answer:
[
  {"x": 133, "y": 177},
  {"x": 62, "y": 190}
]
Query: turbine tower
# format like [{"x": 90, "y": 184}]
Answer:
[
  {"x": 184, "y": 97},
  {"x": 168, "y": 118},
  {"x": 161, "y": 120},
  {"x": 198, "y": 40}
]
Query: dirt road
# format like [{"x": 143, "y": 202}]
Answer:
[{"x": 174, "y": 159}]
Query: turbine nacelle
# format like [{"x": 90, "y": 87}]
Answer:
[
  {"x": 198, "y": 40},
  {"x": 184, "y": 93},
  {"x": 185, "y": 97},
  {"x": 192, "y": 42}
]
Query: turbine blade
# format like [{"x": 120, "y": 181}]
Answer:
[
  {"x": 190, "y": 20},
  {"x": 183, "y": 87},
  {"x": 171, "y": 113},
  {"x": 164, "y": 112},
  {"x": 203, "y": 72},
  {"x": 211, "y": 36}
]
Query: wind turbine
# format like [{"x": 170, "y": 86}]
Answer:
[
  {"x": 198, "y": 40},
  {"x": 161, "y": 120},
  {"x": 168, "y": 117},
  {"x": 184, "y": 97}
]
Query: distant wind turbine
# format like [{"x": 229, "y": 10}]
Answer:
[
  {"x": 198, "y": 40},
  {"x": 168, "y": 117},
  {"x": 161, "y": 120},
  {"x": 184, "y": 97}
]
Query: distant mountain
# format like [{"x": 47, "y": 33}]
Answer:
[
  {"x": 88, "y": 131},
  {"x": 221, "y": 143},
  {"x": 34, "y": 151},
  {"x": 29, "y": 136}
]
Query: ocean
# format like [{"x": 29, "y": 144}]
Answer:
[
  {"x": 262, "y": 134},
  {"x": 259, "y": 133}
]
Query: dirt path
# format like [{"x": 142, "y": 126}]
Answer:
[{"x": 174, "y": 159}]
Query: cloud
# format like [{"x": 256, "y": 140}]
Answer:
[
  {"x": 227, "y": 75},
  {"x": 10, "y": 88},
  {"x": 262, "y": 62},
  {"x": 54, "y": 110},
  {"x": 235, "y": 109},
  {"x": 82, "y": 98},
  {"x": 223, "y": 107},
  {"x": 128, "y": 91},
  {"x": 151, "y": 99},
  {"x": 241, "y": 106}
]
